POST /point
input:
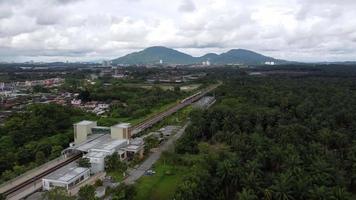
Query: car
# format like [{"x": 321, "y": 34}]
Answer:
[{"x": 150, "y": 172}]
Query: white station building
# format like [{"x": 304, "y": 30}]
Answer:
[
  {"x": 66, "y": 177},
  {"x": 97, "y": 142}
]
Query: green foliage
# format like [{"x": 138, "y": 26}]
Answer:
[
  {"x": 123, "y": 192},
  {"x": 40, "y": 89},
  {"x": 133, "y": 102},
  {"x": 288, "y": 139},
  {"x": 87, "y": 192},
  {"x": 31, "y": 138},
  {"x": 98, "y": 183},
  {"x": 57, "y": 193},
  {"x": 40, "y": 157},
  {"x": 84, "y": 95},
  {"x": 113, "y": 163},
  {"x": 151, "y": 142},
  {"x": 84, "y": 162}
]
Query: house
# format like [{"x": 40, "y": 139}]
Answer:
[{"x": 76, "y": 102}]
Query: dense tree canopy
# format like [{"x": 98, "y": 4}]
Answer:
[
  {"x": 35, "y": 136},
  {"x": 288, "y": 138}
]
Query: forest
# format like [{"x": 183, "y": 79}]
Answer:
[
  {"x": 272, "y": 137},
  {"x": 35, "y": 136},
  {"x": 131, "y": 103}
]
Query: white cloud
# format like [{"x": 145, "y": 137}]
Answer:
[{"x": 304, "y": 30}]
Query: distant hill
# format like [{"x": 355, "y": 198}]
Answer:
[{"x": 153, "y": 55}]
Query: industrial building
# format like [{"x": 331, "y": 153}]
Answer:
[{"x": 66, "y": 177}]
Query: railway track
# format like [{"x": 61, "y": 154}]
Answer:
[
  {"x": 136, "y": 129},
  {"x": 18, "y": 187},
  {"x": 158, "y": 117}
]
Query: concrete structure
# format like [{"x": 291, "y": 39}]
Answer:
[
  {"x": 121, "y": 131},
  {"x": 204, "y": 102},
  {"x": 169, "y": 130},
  {"x": 66, "y": 177},
  {"x": 82, "y": 130},
  {"x": 104, "y": 146},
  {"x": 97, "y": 142}
]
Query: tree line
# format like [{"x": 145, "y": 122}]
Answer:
[
  {"x": 35, "y": 136},
  {"x": 273, "y": 138}
]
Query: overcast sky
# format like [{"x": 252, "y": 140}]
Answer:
[{"x": 86, "y": 30}]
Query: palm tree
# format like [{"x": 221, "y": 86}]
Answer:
[
  {"x": 282, "y": 187},
  {"x": 268, "y": 194},
  {"x": 319, "y": 193},
  {"x": 247, "y": 194},
  {"x": 339, "y": 193},
  {"x": 229, "y": 176}
]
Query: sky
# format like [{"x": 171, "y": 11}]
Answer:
[{"x": 93, "y": 30}]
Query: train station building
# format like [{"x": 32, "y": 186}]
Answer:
[
  {"x": 66, "y": 177},
  {"x": 97, "y": 142}
]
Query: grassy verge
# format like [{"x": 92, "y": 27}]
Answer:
[
  {"x": 163, "y": 184},
  {"x": 118, "y": 176},
  {"x": 178, "y": 118}
]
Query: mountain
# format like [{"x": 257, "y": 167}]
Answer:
[
  {"x": 243, "y": 56},
  {"x": 153, "y": 55}
]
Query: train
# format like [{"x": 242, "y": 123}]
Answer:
[{"x": 190, "y": 97}]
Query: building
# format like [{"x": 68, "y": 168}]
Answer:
[
  {"x": 66, "y": 177},
  {"x": 106, "y": 63},
  {"x": 82, "y": 130},
  {"x": 270, "y": 63},
  {"x": 121, "y": 131},
  {"x": 98, "y": 142},
  {"x": 103, "y": 147}
]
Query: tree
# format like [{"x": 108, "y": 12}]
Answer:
[
  {"x": 84, "y": 95},
  {"x": 113, "y": 163},
  {"x": 57, "y": 193},
  {"x": 84, "y": 162},
  {"x": 98, "y": 183},
  {"x": 176, "y": 88},
  {"x": 247, "y": 194},
  {"x": 87, "y": 192},
  {"x": 40, "y": 157},
  {"x": 124, "y": 192}
]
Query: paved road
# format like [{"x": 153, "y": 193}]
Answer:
[{"x": 147, "y": 164}]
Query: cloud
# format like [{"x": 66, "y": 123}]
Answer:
[
  {"x": 187, "y": 6},
  {"x": 305, "y": 30}
]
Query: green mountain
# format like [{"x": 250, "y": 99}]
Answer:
[{"x": 153, "y": 55}]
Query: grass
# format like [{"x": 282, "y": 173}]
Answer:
[
  {"x": 179, "y": 118},
  {"x": 116, "y": 175},
  {"x": 161, "y": 185}
]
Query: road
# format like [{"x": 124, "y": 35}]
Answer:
[{"x": 147, "y": 164}]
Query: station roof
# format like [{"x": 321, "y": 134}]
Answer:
[
  {"x": 85, "y": 122},
  {"x": 122, "y": 125},
  {"x": 66, "y": 174},
  {"x": 100, "y": 142},
  {"x": 96, "y": 154}
]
